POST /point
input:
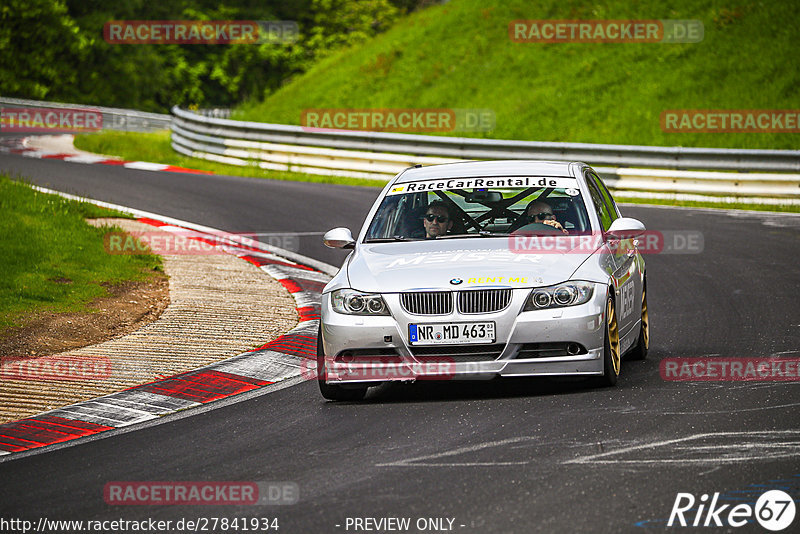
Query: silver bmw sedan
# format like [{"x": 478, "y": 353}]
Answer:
[{"x": 485, "y": 269}]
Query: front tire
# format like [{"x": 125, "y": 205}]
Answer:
[
  {"x": 332, "y": 391},
  {"x": 611, "y": 354},
  {"x": 639, "y": 351}
]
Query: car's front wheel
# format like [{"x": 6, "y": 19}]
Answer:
[
  {"x": 639, "y": 351},
  {"x": 611, "y": 354},
  {"x": 332, "y": 391}
]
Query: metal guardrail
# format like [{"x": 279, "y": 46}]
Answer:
[
  {"x": 379, "y": 155},
  {"x": 219, "y": 113},
  {"x": 760, "y": 186},
  {"x": 126, "y": 120},
  {"x": 471, "y": 148}
]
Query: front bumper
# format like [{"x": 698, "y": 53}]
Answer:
[{"x": 367, "y": 349}]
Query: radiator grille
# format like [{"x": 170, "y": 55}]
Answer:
[
  {"x": 427, "y": 302},
  {"x": 483, "y": 300}
]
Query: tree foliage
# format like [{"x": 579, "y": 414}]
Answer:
[{"x": 54, "y": 49}]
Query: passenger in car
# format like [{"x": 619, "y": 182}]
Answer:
[
  {"x": 437, "y": 220},
  {"x": 540, "y": 212}
]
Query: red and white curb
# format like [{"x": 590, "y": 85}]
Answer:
[
  {"x": 20, "y": 146},
  {"x": 285, "y": 357}
]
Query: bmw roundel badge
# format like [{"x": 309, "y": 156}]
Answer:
[{"x": 456, "y": 281}]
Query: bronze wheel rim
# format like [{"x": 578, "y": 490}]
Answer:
[
  {"x": 645, "y": 320},
  {"x": 613, "y": 336}
]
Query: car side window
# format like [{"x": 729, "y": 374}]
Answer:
[
  {"x": 382, "y": 223},
  {"x": 599, "y": 205},
  {"x": 608, "y": 200}
]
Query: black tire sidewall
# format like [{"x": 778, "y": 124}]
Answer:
[{"x": 609, "y": 376}]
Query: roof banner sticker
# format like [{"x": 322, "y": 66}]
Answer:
[{"x": 470, "y": 183}]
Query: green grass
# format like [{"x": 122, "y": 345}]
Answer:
[
  {"x": 155, "y": 148},
  {"x": 459, "y": 55},
  {"x": 51, "y": 259}
]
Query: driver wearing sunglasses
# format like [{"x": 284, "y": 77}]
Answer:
[
  {"x": 541, "y": 212},
  {"x": 437, "y": 220}
]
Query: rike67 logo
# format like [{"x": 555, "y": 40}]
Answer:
[{"x": 774, "y": 510}]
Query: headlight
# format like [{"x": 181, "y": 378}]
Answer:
[
  {"x": 559, "y": 296},
  {"x": 352, "y": 302}
]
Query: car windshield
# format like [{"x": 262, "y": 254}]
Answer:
[{"x": 479, "y": 207}]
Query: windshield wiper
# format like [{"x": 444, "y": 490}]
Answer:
[
  {"x": 386, "y": 239},
  {"x": 482, "y": 233}
]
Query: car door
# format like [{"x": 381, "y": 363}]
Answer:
[{"x": 626, "y": 275}]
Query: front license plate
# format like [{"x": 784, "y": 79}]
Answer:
[{"x": 450, "y": 333}]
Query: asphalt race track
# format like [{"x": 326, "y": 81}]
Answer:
[
  {"x": 500, "y": 456},
  {"x": 232, "y": 203}
]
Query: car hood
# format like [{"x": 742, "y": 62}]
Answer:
[{"x": 456, "y": 264}]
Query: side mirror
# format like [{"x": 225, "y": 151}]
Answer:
[
  {"x": 625, "y": 228},
  {"x": 339, "y": 238}
]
